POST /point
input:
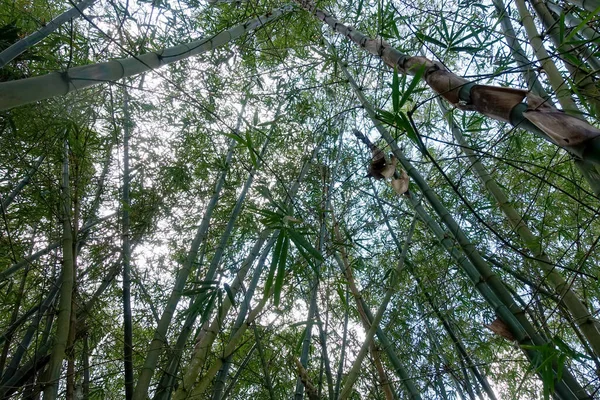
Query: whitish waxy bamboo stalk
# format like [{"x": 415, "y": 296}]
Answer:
[
  {"x": 9, "y": 54},
  {"x": 23, "y": 91},
  {"x": 563, "y": 93},
  {"x": 580, "y": 76},
  {"x": 517, "y": 52},
  {"x": 66, "y": 288},
  {"x": 500, "y": 103}
]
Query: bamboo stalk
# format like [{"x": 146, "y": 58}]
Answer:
[
  {"x": 581, "y": 315},
  {"x": 10, "y": 53},
  {"x": 24, "y": 91}
]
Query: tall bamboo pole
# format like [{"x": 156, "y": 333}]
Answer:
[{"x": 66, "y": 288}]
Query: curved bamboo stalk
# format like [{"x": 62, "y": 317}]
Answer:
[
  {"x": 24, "y": 91},
  {"x": 10, "y": 53}
]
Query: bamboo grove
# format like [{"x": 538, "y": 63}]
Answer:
[{"x": 186, "y": 211}]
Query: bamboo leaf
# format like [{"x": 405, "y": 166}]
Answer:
[
  {"x": 396, "y": 91},
  {"x": 236, "y": 137},
  {"x": 281, "y": 270},
  {"x": 429, "y": 39},
  {"x": 411, "y": 87},
  {"x": 230, "y": 295},
  {"x": 300, "y": 241},
  {"x": 274, "y": 261}
]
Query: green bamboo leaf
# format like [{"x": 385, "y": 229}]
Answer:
[
  {"x": 340, "y": 293},
  {"x": 446, "y": 35},
  {"x": 281, "y": 270},
  {"x": 209, "y": 307},
  {"x": 429, "y": 39},
  {"x": 561, "y": 27},
  {"x": 386, "y": 117},
  {"x": 466, "y": 49},
  {"x": 274, "y": 261},
  {"x": 403, "y": 123},
  {"x": 236, "y": 137},
  {"x": 396, "y": 31},
  {"x": 300, "y": 241},
  {"x": 230, "y": 295},
  {"x": 301, "y": 340},
  {"x": 396, "y": 91},
  {"x": 251, "y": 149},
  {"x": 473, "y": 34},
  {"x": 359, "y": 8},
  {"x": 411, "y": 87}
]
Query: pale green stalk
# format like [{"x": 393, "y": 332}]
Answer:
[
  {"x": 66, "y": 289},
  {"x": 562, "y": 91},
  {"x": 10, "y": 53},
  {"x": 24, "y": 91}
]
